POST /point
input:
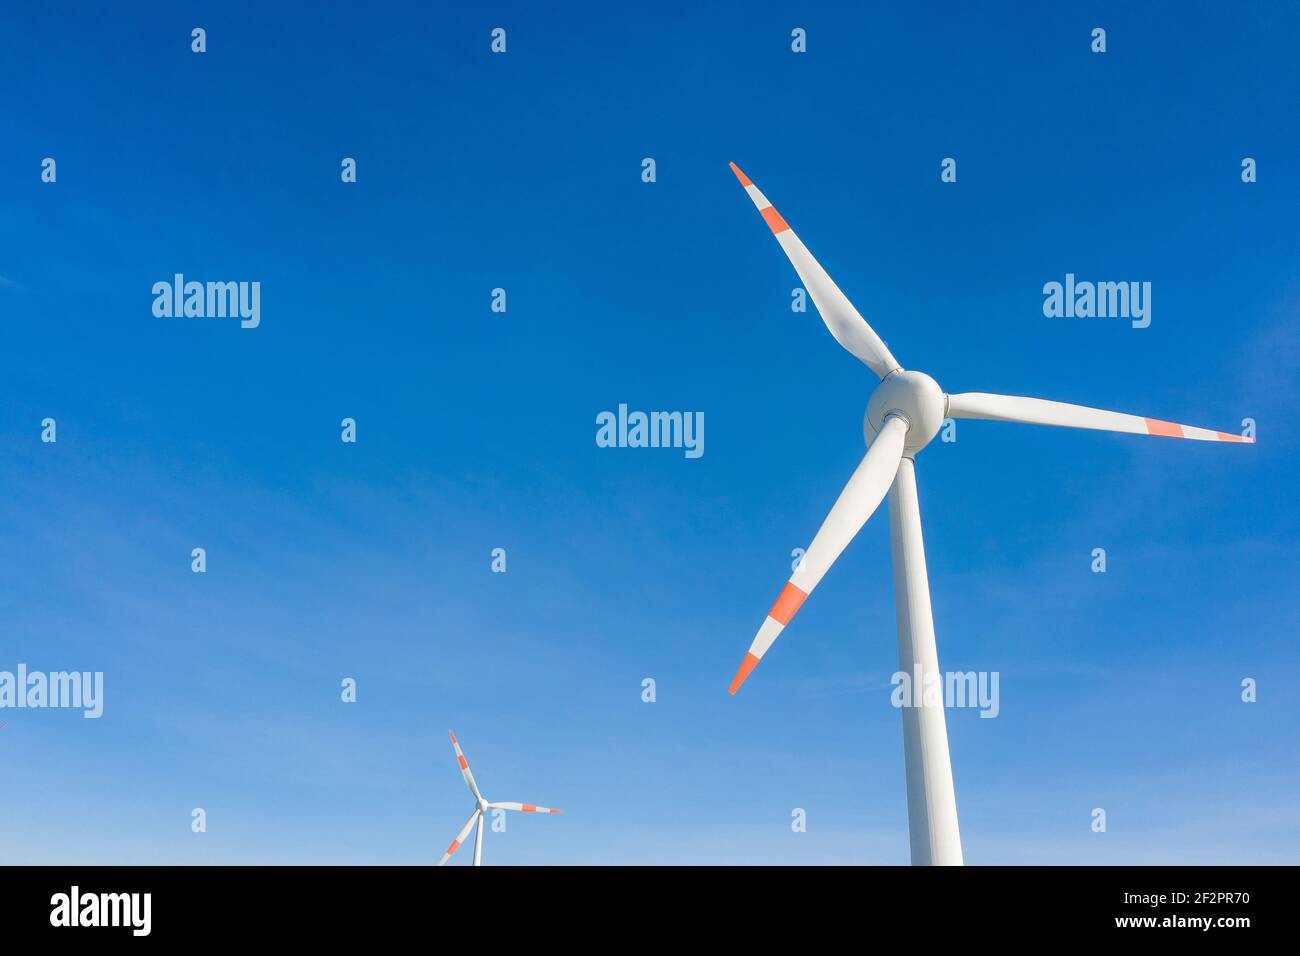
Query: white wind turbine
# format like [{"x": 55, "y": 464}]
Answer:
[
  {"x": 904, "y": 413},
  {"x": 480, "y": 810}
]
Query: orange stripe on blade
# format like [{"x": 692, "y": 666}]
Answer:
[
  {"x": 746, "y": 667},
  {"x": 464, "y": 765},
  {"x": 455, "y": 844},
  {"x": 774, "y": 220},
  {"x": 788, "y": 602},
  {"x": 1224, "y": 436},
  {"x": 744, "y": 180},
  {"x": 529, "y": 808},
  {"x": 1168, "y": 429}
]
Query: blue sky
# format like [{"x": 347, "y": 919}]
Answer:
[{"x": 476, "y": 430}]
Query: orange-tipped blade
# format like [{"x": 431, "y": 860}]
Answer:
[
  {"x": 464, "y": 767},
  {"x": 746, "y": 667},
  {"x": 523, "y": 807},
  {"x": 460, "y": 839},
  {"x": 865, "y": 490},
  {"x": 845, "y": 323},
  {"x": 1038, "y": 411}
]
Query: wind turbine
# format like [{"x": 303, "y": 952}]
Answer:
[
  {"x": 904, "y": 413},
  {"x": 480, "y": 810}
]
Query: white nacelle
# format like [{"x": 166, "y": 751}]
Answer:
[{"x": 917, "y": 398}]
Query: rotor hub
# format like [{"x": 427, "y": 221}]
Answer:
[{"x": 913, "y": 396}]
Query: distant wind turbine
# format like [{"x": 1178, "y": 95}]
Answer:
[{"x": 480, "y": 810}]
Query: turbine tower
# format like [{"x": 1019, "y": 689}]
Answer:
[
  {"x": 905, "y": 412},
  {"x": 482, "y": 806}
]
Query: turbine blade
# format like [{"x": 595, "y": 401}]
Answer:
[
  {"x": 523, "y": 808},
  {"x": 860, "y": 497},
  {"x": 464, "y": 767},
  {"x": 843, "y": 320},
  {"x": 1038, "y": 411},
  {"x": 460, "y": 838}
]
